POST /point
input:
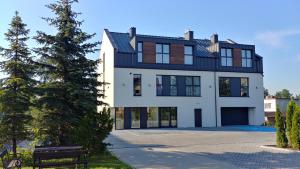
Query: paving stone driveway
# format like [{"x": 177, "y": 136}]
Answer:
[{"x": 206, "y": 148}]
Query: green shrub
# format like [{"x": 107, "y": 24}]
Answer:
[
  {"x": 289, "y": 118},
  {"x": 281, "y": 139},
  {"x": 295, "y": 132}
]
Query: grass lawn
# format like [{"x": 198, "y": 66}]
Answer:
[{"x": 103, "y": 160}]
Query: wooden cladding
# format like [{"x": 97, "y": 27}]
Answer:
[
  {"x": 149, "y": 53},
  {"x": 237, "y": 58},
  {"x": 177, "y": 54}
]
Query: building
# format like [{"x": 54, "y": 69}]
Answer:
[
  {"x": 270, "y": 105},
  {"x": 158, "y": 81}
]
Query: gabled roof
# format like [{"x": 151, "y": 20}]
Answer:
[{"x": 122, "y": 42}]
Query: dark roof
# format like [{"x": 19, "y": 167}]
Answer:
[{"x": 121, "y": 42}]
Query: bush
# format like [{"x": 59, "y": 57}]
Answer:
[
  {"x": 281, "y": 139},
  {"x": 295, "y": 132},
  {"x": 289, "y": 118}
]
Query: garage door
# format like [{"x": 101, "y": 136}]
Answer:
[{"x": 234, "y": 116}]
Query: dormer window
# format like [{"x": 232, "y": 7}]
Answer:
[
  {"x": 140, "y": 52},
  {"x": 226, "y": 57},
  {"x": 188, "y": 55},
  {"x": 163, "y": 53},
  {"x": 246, "y": 58}
]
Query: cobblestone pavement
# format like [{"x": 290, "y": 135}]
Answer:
[{"x": 206, "y": 148}]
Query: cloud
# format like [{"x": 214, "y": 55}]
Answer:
[{"x": 276, "y": 38}]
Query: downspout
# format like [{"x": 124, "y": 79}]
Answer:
[{"x": 215, "y": 85}]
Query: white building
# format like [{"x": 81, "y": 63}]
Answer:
[
  {"x": 157, "y": 81},
  {"x": 270, "y": 105}
]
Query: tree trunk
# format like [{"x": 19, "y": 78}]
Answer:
[{"x": 14, "y": 147}]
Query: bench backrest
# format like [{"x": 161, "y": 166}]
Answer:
[{"x": 49, "y": 153}]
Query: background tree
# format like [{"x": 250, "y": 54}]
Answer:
[
  {"x": 295, "y": 137},
  {"x": 266, "y": 92},
  {"x": 68, "y": 90},
  {"x": 297, "y": 97},
  {"x": 284, "y": 93},
  {"x": 16, "y": 87},
  {"x": 291, "y": 108},
  {"x": 281, "y": 139}
]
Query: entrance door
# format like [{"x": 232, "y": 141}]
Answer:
[
  {"x": 198, "y": 118},
  {"x": 168, "y": 116}
]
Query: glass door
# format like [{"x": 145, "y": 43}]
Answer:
[{"x": 135, "y": 118}]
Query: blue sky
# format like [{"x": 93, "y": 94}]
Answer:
[{"x": 273, "y": 26}]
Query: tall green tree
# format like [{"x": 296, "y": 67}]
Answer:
[
  {"x": 16, "y": 87},
  {"x": 284, "y": 94},
  {"x": 281, "y": 139},
  {"x": 68, "y": 91},
  {"x": 266, "y": 92},
  {"x": 291, "y": 108},
  {"x": 295, "y": 132}
]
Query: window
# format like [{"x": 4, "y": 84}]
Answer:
[
  {"x": 162, "y": 53},
  {"x": 137, "y": 85},
  {"x": 192, "y": 86},
  {"x": 135, "y": 117},
  {"x": 188, "y": 55},
  {"x": 159, "y": 86},
  {"x": 267, "y": 105},
  {"x": 226, "y": 57},
  {"x": 246, "y": 58},
  {"x": 140, "y": 52},
  {"x": 119, "y": 117},
  {"x": 173, "y": 86},
  {"x": 244, "y": 87},
  {"x": 224, "y": 86},
  {"x": 152, "y": 120}
]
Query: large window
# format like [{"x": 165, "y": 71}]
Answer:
[
  {"x": 159, "y": 85},
  {"x": 137, "y": 85},
  {"x": 188, "y": 55},
  {"x": 140, "y": 52},
  {"x": 244, "y": 87},
  {"x": 246, "y": 58},
  {"x": 162, "y": 53},
  {"x": 226, "y": 57},
  {"x": 224, "y": 86},
  {"x": 168, "y": 116},
  {"x": 135, "y": 117},
  {"x": 119, "y": 117},
  {"x": 192, "y": 86},
  {"x": 152, "y": 120},
  {"x": 173, "y": 86}
]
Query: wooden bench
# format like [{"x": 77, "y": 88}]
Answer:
[
  {"x": 8, "y": 161},
  {"x": 47, "y": 157}
]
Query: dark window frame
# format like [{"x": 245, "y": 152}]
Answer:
[
  {"x": 173, "y": 85},
  {"x": 226, "y": 57},
  {"x": 248, "y": 59},
  {"x": 140, "y": 52},
  {"x": 220, "y": 87},
  {"x": 247, "y": 87},
  {"x": 193, "y": 86},
  {"x": 190, "y": 55},
  {"x": 134, "y": 85},
  {"x": 161, "y": 85},
  {"x": 230, "y": 92},
  {"x": 162, "y": 53}
]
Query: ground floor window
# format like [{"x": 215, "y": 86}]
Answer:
[{"x": 145, "y": 117}]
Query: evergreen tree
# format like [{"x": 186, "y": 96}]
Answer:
[
  {"x": 295, "y": 132},
  {"x": 281, "y": 139},
  {"x": 16, "y": 87},
  {"x": 289, "y": 118},
  {"x": 68, "y": 91}
]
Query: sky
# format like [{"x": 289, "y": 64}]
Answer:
[{"x": 273, "y": 26}]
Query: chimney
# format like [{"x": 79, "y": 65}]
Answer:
[
  {"x": 214, "y": 38},
  {"x": 132, "y": 32},
  {"x": 189, "y": 35}
]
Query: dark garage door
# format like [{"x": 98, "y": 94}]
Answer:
[{"x": 234, "y": 116}]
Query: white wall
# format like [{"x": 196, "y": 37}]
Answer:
[
  {"x": 108, "y": 50},
  {"x": 255, "y": 101}
]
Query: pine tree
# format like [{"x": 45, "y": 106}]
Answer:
[
  {"x": 289, "y": 118},
  {"x": 295, "y": 132},
  {"x": 281, "y": 139},
  {"x": 68, "y": 92},
  {"x": 16, "y": 87}
]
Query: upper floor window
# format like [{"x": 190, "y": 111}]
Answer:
[
  {"x": 173, "y": 86},
  {"x": 140, "y": 52},
  {"x": 192, "y": 85},
  {"x": 267, "y": 105},
  {"x": 226, "y": 57},
  {"x": 188, "y": 55},
  {"x": 244, "y": 87},
  {"x": 137, "y": 85},
  {"x": 246, "y": 58},
  {"x": 159, "y": 85},
  {"x": 162, "y": 53},
  {"x": 224, "y": 86}
]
